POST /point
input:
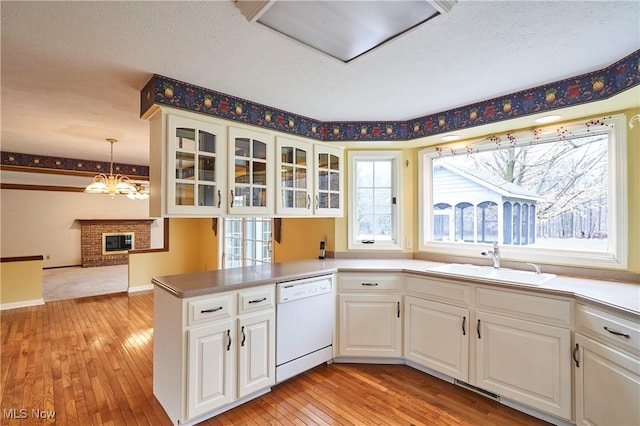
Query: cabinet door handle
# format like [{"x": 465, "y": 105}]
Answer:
[
  {"x": 478, "y": 330},
  {"x": 229, "y": 337},
  {"x": 617, "y": 333},
  {"x": 575, "y": 355},
  {"x": 258, "y": 300},
  {"x": 317, "y": 202},
  {"x": 208, "y": 311},
  {"x": 244, "y": 336},
  {"x": 398, "y": 309},
  {"x": 219, "y": 198},
  {"x": 308, "y": 201},
  {"x": 232, "y": 198},
  {"x": 464, "y": 323},
  {"x": 370, "y": 284}
]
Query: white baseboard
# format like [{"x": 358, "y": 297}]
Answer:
[
  {"x": 21, "y": 304},
  {"x": 140, "y": 288}
]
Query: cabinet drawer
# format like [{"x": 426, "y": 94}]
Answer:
[
  {"x": 606, "y": 326},
  {"x": 210, "y": 309},
  {"x": 256, "y": 299},
  {"x": 437, "y": 289},
  {"x": 546, "y": 310},
  {"x": 370, "y": 282}
]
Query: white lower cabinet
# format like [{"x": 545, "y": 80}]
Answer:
[
  {"x": 606, "y": 368},
  {"x": 211, "y": 367},
  {"x": 212, "y": 351},
  {"x": 607, "y": 385},
  {"x": 436, "y": 336},
  {"x": 370, "y": 325},
  {"x": 524, "y": 361},
  {"x": 257, "y": 355}
]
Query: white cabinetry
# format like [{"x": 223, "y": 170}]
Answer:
[
  {"x": 211, "y": 351},
  {"x": 328, "y": 180},
  {"x": 211, "y": 367},
  {"x": 369, "y": 317},
  {"x": 607, "y": 368},
  {"x": 250, "y": 172},
  {"x": 523, "y": 349},
  {"x": 187, "y": 165},
  {"x": 295, "y": 166},
  {"x": 436, "y": 335}
]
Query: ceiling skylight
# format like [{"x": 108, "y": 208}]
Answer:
[{"x": 343, "y": 29}]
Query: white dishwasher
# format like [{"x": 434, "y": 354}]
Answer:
[{"x": 305, "y": 312}]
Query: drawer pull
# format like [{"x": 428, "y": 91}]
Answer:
[
  {"x": 370, "y": 284},
  {"x": 617, "y": 333},
  {"x": 464, "y": 323},
  {"x": 208, "y": 311},
  {"x": 258, "y": 300},
  {"x": 575, "y": 355}
]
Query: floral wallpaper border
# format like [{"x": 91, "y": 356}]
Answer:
[
  {"x": 44, "y": 162},
  {"x": 590, "y": 87}
]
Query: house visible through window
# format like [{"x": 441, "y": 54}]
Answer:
[
  {"x": 247, "y": 242},
  {"x": 562, "y": 193}
]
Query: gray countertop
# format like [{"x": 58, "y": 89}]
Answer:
[{"x": 618, "y": 295}]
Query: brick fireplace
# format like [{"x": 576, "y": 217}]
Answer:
[{"x": 94, "y": 231}]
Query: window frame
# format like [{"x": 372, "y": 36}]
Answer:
[
  {"x": 395, "y": 157},
  {"x": 615, "y": 258},
  {"x": 243, "y": 241}
]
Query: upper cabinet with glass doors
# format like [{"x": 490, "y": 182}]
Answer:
[
  {"x": 294, "y": 164},
  {"x": 196, "y": 160},
  {"x": 251, "y": 168},
  {"x": 329, "y": 178}
]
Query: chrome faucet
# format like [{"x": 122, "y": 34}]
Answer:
[{"x": 495, "y": 254}]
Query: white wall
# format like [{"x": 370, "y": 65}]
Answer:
[{"x": 43, "y": 222}]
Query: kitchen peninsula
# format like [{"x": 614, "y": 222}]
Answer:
[{"x": 215, "y": 332}]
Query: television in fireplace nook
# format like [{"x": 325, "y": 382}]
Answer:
[{"x": 117, "y": 242}]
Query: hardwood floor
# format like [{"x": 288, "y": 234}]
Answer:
[{"x": 89, "y": 362}]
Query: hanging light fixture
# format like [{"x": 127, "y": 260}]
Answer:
[
  {"x": 111, "y": 184},
  {"x": 141, "y": 193}
]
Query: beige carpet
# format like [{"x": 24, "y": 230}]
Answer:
[{"x": 75, "y": 282}]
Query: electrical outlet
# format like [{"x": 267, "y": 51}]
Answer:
[{"x": 409, "y": 243}]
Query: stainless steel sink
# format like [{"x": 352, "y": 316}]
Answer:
[{"x": 491, "y": 274}]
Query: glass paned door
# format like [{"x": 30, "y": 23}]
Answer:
[
  {"x": 329, "y": 184},
  {"x": 251, "y": 172},
  {"x": 196, "y": 159},
  {"x": 295, "y": 195}
]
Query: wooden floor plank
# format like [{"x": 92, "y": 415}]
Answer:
[{"x": 90, "y": 361}]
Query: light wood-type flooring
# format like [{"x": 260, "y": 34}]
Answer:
[{"x": 88, "y": 361}]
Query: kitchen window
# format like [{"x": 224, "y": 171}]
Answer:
[
  {"x": 550, "y": 195},
  {"x": 374, "y": 221},
  {"x": 247, "y": 241}
]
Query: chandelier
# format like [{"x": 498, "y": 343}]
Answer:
[{"x": 116, "y": 184}]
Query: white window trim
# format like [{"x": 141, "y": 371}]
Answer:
[
  {"x": 396, "y": 177},
  {"x": 618, "y": 221}
]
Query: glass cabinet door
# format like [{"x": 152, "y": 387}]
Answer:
[
  {"x": 329, "y": 181},
  {"x": 196, "y": 156},
  {"x": 295, "y": 165},
  {"x": 250, "y": 178}
]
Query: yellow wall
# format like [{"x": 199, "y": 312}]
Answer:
[
  {"x": 301, "y": 238},
  {"x": 192, "y": 248},
  {"x": 20, "y": 281}
]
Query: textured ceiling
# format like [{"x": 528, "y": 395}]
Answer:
[{"x": 72, "y": 71}]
